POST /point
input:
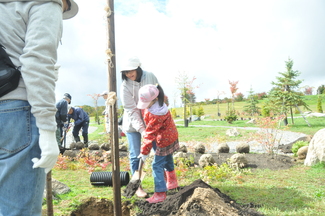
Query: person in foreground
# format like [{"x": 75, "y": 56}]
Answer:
[
  {"x": 133, "y": 77},
  {"x": 160, "y": 134},
  {"x": 81, "y": 120},
  {"x": 30, "y": 33}
]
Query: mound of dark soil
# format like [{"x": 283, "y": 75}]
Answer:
[{"x": 198, "y": 199}]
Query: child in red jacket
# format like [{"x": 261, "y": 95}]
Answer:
[{"x": 161, "y": 135}]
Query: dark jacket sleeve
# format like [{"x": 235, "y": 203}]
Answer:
[{"x": 64, "y": 111}]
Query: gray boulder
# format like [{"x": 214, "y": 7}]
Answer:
[
  {"x": 206, "y": 160},
  {"x": 58, "y": 188},
  {"x": 105, "y": 147},
  {"x": 80, "y": 145},
  {"x": 232, "y": 132},
  {"x": 199, "y": 148},
  {"x": 70, "y": 154},
  {"x": 242, "y": 148},
  {"x": 182, "y": 148},
  {"x": 238, "y": 161},
  {"x": 302, "y": 152},
  {"x": 223, "y": 148},
  {"x": 316, "y": 149},
  {"x": 123, "y": 148},
  {"x": 93, "y": 147}
]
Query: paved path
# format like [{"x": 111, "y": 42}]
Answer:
[{"x": 282, "y": 137}]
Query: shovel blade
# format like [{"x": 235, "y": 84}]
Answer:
[{"x": 136, "y": 175}]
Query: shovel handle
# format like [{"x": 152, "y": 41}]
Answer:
[{"x": 140, "y": 167}]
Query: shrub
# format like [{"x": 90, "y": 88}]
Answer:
[
  {"x": 174, "y": 114},
  {"x": 200, "y": 111},
  {"x": 194, "y": 111},
  {"x": 297, "y": 145},
  {"x": 231, "y": 116},
  {"x": 265, "y": 111}
]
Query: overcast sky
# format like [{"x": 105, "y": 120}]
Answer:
[{"x": 212, "y": 40}]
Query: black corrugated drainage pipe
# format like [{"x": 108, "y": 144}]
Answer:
[{"x": 105, "y": 178}]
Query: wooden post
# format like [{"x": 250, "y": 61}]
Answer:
[
  {"x": 49, "y": 201},
  {"x": 113, "y": 114}
]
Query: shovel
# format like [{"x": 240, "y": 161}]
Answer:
[{"x": 135, "y": 181}]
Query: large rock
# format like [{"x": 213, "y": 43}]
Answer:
[
  {"x": 232, "y": 132},
  {"x": 316, "y": 149},
  {"x": 242, "y": 147},
  {"x": 180, "y": 155},
  {"x": 206, "y": 160},
  {"x": 58, "y": 188},
  {"x": 182, "y": 148},
  {"x": 80, "y": 145},
  {"x": 238, "y": 161},
  {"x": 105, "y": 147},
  {"x": 123, "y": 148},
  {"x": 302, "y": 152},
  {"x": 181, "y": 158},
  {"x": 199, "y": 148},
  {"x": 93, "y": 146},
  {"x": 223, "y": 148},
  {"x": 70, "y": 154}
]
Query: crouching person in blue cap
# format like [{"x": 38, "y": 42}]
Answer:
[{"x": 81, "y": 121}]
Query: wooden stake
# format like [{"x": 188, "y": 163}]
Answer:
[
  {"x": 113, "y": 116},
  {"x": 49, "y": 201}
]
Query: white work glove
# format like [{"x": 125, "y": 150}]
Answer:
[
  {"x": 49, "y": 151},
  {"x": 143, "y": 157}
]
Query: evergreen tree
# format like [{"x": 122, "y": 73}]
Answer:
[
  {"x": 283, "y": 94},
  {"x": 252, "y": 101},
  {"x": 320, "y": 89}
]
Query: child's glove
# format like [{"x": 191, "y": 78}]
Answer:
[
  {"x": 143, "y": 133},
  {"x": 49, "y": 151},
  {"x": 143, "y": 157}
]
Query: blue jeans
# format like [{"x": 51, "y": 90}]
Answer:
[
  {"x": 21, "y": 186},
  {"x": 159, "y": 165},
  {"x": 134, "y": 140}
]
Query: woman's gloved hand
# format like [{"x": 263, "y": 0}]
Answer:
[
  {"x": 49, "y": 151},
  {"x": 143, "y": 157}
]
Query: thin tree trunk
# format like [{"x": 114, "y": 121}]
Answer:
[{"x": 291, "y": 115}]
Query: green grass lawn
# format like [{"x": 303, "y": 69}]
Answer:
[
  {"x": 296, "y": 191},
  {"x": 211, "y": 110}
]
